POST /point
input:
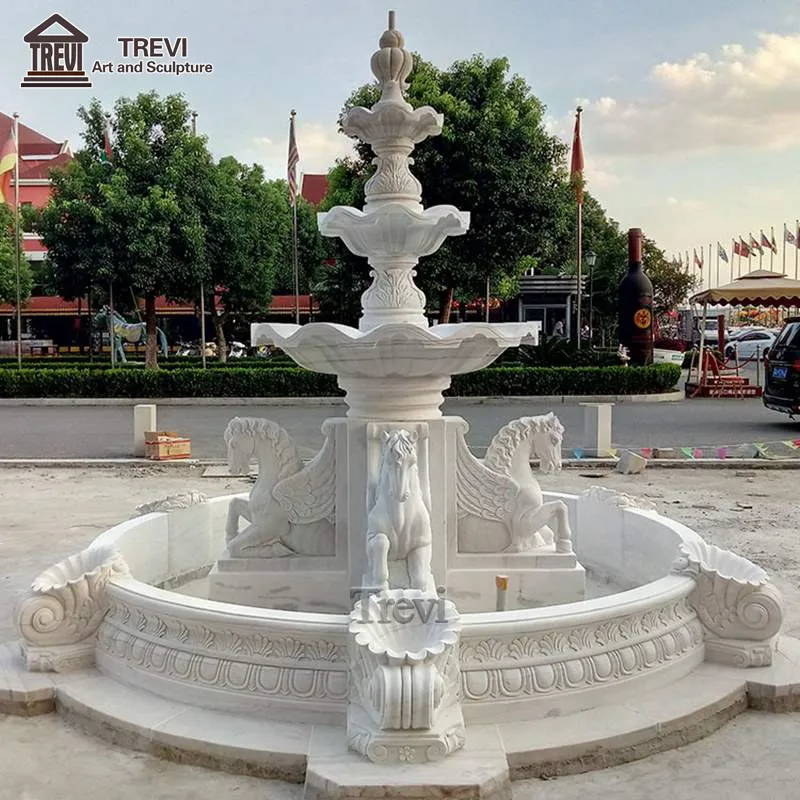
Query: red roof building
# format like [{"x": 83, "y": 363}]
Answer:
[
  {"x": 313, "y": 188},
  {"x": 37, "y": 156}
]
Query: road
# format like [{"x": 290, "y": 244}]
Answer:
[{"x": 106, "y": 431}]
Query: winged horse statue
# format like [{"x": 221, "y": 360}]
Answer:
[{"x": 291, "y": 507}]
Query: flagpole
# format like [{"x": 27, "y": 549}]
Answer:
[
  {"x": 18, "y": 255},
  {"x": 202, "y": 286},
  {"x": 111, "y": 322},
  {"x": 796, "y": 245},
  {"x": 709, "y": 265},
  {"x": 293, "y": 159},
  {"x": 772, "y": 245},
  {"x": 783, "y": 263},
  {"x": 718, "y": 246}
]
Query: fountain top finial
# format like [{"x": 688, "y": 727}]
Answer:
[
  {"x": 392, "y": 37},
  {"x": 392, "y": 64}
]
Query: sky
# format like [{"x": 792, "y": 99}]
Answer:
[{"x": 691, "y": 123}]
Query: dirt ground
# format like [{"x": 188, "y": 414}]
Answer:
[{"x": 50, "y": 513}]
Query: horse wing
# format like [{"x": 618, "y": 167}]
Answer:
[
  {"x": 480, "y": 491},
  {"x": 310, "y": 494}
]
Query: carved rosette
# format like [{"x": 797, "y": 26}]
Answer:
[
  {"x": 740, "y": 609},
  {"x": 404, "y": 679},
  {"x": 59, "y": 617}
]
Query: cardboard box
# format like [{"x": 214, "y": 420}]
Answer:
[{"x": 166, "y": 446}]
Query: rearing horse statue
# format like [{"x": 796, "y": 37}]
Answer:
[
  {"x": 399, "y": 523},
  {"x": 130, "y": 332}
]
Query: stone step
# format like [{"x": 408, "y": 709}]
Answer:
[{"x": 645, "y": 723}]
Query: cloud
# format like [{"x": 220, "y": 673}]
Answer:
[
  {"x": 735, "y": 99},
  {"x": 319, "y": 146}
]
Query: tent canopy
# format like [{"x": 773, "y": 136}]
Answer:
[{"x": 758, "y": 288}]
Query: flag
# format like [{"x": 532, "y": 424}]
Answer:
[
  {"x": 737, "y": 249},
  {"x": 8, "y": 161},
  {"x": 698, "y": 260},
  {"x": 773, "y": 245},
  {"x": 107, "y": 154},
  {"x": 754, "y": 244},
  {"x": 294, "y": 158},
  {"x": 765, "y": 242},
  {"x": 576, "y": 169},
  {"x": 790, "y": 237},
  {"x": 721, "y": 253},
  {"x": 744, "y": 248}
]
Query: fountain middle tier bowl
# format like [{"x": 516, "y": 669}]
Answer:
[
  {"x": 393, "y": 230},
  {"x": 401, "y": 350}
]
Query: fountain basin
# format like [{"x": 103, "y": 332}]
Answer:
[{"x": 291, "y": 666}]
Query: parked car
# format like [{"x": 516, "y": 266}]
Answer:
[
  {"x": 748, "y": 346},
  {"x": 782, "y": 383}
]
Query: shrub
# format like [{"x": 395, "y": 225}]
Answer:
[{"x": 297, "y": 382}]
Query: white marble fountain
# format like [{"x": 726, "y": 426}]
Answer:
[{"x": 346, "y": 632}]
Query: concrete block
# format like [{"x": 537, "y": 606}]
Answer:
[
  {"x": 665, "y": 452},
  {"x": 144, "y": 419},
  {"x": 631, "y": 463},
  {"x": 597, "y": 429}
]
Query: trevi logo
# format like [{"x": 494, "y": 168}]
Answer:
[{"x": 57, "y": 55}]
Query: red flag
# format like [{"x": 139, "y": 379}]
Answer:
[
  {"x": 698, "y": 262},
  {"x": 8, "y": 161},
  {"x": 737, "y": 250},
  {"x": 107, "y": 156},
  {"x": 294, "y": 158},
  {"x": 744, "y": 249},
  {"x": 576, "y": 169}
]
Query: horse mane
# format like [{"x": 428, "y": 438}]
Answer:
[
  {"x": 509, "y": 438},
  {"x": 257, "y": 428}
]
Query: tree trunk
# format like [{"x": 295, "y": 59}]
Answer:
[
  {"x": 219, "y": 333},
  {"x": 445, "y": 305},
  {"x": 151, "y": 349}
]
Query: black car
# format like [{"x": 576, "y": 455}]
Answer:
[{"x": 782, "y": 386}]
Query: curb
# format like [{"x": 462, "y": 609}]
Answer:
[
  {"x": 38, "y": 402},
  {"x": 570, "y": 464}
]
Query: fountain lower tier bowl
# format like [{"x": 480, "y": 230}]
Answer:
[{"x": 285, "y": 665}]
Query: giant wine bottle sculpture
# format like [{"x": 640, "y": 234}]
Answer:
[{"x": 636, "y": 305}]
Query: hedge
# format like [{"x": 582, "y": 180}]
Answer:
[{"x": 296, "y": 382}]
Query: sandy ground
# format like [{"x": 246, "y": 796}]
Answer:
[{"x": 48, "y": 514}]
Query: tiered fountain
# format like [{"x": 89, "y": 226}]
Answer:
[{"x": 330, "y": 648}]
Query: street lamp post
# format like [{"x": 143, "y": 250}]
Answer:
[{"x": 591, "y": 259}]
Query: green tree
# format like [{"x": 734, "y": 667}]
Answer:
[
  {"x": 8, "y": 262},
  {"x": 671, "y": 285},
  {"x": 137, "y": 221},
  {"x": 311, "y": 248},
  {"x": 494, "y": 159},
  {"x": 246, "y": 222}
]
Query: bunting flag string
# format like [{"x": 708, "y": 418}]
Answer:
[{"x": 777, "y": 450}]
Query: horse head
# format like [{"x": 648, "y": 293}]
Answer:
[
  {"x": 399, "y": 460},
  {"x": 253, "y": 437},
  {"x": 547, "y": 436}
]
